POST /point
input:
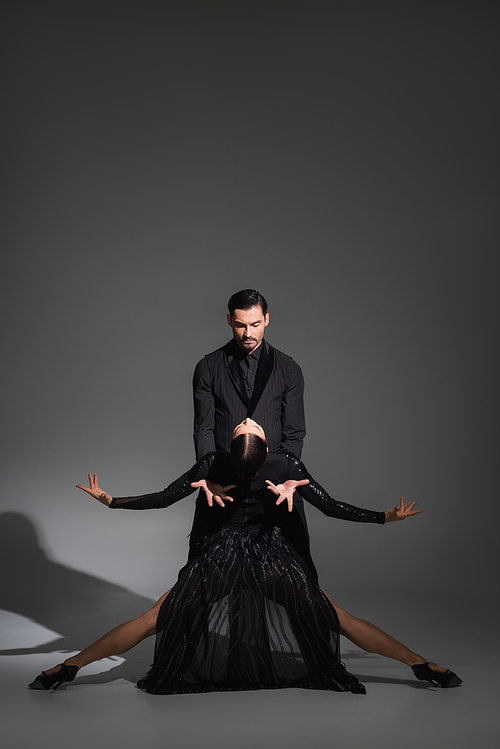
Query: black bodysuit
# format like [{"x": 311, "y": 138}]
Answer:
[{"x": 247, "y": 611}]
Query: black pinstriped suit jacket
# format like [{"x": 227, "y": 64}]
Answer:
[{"x": 221, "y": 402}]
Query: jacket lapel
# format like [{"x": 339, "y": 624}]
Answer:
[{"x": 266, "y": 364}]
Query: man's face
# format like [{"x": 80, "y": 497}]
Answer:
[{"x": 248, "y": 327}]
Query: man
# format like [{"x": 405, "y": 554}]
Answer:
[{"x": 248, "y": 378}]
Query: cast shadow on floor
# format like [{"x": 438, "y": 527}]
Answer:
[{"x": 79, "y": 606}]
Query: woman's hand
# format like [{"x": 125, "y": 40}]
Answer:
[
  {"x": 286, "y": 490},
  {"x": 95, "y": 492},
  {"x": 402, "y": 512},
  {"x": 214, "y": 491}
]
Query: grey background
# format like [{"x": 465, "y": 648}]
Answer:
[{"x": 341, "y": 157}]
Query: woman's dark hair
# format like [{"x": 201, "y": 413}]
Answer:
[
  {"x": 248, "y": 453},
  {"x": 245, "y": 300}
]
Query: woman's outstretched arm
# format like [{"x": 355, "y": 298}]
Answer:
[
  {"x": 177, "y": 490},
  {"x": 312, "y": 492}
]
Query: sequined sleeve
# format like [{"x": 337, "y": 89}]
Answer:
[
  {"x": 173, "y": 493},
  {"x": 317, "y": 496}
]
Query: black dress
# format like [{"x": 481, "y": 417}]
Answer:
[{"x": 247, "y": 611}]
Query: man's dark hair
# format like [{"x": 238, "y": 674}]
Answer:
[
  {"x": 248, "y": 453},
  {"x": 246, "y": 299}
]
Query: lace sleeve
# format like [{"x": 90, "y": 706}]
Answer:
[
  {"x": 177, "y": 490},
  {"x": 317, "y": 496}
]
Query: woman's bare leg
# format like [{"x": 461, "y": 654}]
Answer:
[
  {"x": 374, "y": 640},
  {"x": 118, "y": 640}
]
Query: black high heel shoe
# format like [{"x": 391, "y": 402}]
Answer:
[
  {"x": 47, "y": 681},
  {"x": 445, "y": 679}
]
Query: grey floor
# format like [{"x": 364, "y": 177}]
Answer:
[{"x": 102, "y": 708}]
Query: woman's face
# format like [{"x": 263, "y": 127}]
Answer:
[{"x": 249, "y": 426}]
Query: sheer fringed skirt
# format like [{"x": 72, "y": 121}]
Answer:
[{"x": 244, "y": 615}]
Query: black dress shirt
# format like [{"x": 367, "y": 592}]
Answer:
[{"x": 249, "y": 364}]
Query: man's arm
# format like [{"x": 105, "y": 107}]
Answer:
[
  {"x": 204, "y": 410},
  {"x": 293, "y": 421}
]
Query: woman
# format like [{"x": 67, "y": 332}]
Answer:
[{"x": 247, "y": 611}]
